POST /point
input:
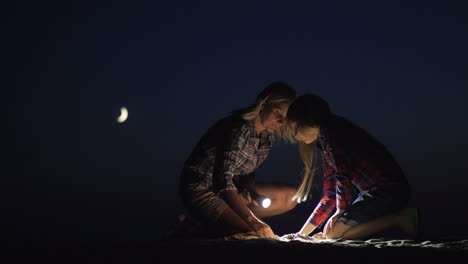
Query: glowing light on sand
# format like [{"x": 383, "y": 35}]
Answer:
[{"x": 123, "y": 115}]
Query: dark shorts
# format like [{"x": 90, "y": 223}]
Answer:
[{"x": 376, "y": 203}]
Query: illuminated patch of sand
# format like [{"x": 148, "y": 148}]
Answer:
[{"x": 370, "y": 243}]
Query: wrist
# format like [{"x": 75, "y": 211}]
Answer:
[
  {"x": 307, "y": 229},
  {"x": 253, "y": 221},
  {"x": 339, "y": 212}
]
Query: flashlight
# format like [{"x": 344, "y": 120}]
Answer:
[{"x": 261, "y": 199}]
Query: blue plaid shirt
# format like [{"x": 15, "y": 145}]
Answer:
[{"x": 230, "y": 147}]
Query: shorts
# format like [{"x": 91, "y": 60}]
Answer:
[
  {"x": 202, "y": 205},
  {"x": 376, "y": 203}
]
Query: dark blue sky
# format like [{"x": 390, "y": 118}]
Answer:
[{"x": 399, "y": 70}]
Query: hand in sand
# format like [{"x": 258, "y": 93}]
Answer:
[{"x": 264, "y": 231}]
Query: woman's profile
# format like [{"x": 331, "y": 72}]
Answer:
[{"x": 217, "y": 180}]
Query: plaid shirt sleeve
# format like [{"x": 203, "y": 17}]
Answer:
[
  {"x": 337, "y": 187},
  {"x": 343, "y": 177},
  {"x": 326, "y": 205},
  {"x": 227, "y": 155}
]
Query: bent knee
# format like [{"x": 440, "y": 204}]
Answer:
[
  {"x": 290, "y": 204},
  {"x": 337, "y": 231},
  {"x": 289, "y": 194}
]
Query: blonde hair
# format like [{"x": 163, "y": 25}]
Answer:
[
  {"x": 253, "y": 112},
  {"x": 309, "y": 159},
  {"x": 275, "y": 94},
  {"x": 307, "y": 111}
]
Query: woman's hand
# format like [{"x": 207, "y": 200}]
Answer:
[
  {"x": 331, "y": 222},
  {"x": 248, "y": 198},
  {"x": 263, "y": 230}
]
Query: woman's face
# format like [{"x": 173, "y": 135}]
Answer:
[
  {"x": 273, "y": 117},
  {"x": 305, "y": 134}
]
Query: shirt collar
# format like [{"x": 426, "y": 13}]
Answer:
[
  {"x": 251, "y": 128},
  {"x": 321, "y": 136},
  {"x": 253, "y": 132}
]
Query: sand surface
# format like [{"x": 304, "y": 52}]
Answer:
[{"x": 240, "y": 249}]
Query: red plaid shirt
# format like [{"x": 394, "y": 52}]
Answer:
[{"x": 353, "y": 160}]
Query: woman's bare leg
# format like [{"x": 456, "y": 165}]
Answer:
[
  {"x": 367, "y": 229},
  {"x": 281, "y": 199}
]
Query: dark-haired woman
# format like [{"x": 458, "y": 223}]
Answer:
[{"x": 364, "y": 189}]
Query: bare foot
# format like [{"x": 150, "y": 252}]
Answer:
[{"x": 408, "y": 221}]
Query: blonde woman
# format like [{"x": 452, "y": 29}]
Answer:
[
  {"x": 363, "y": 183},
  {"x": 217, "y": 178}
]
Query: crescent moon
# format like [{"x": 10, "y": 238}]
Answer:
[{"x": 123, "y": 115}]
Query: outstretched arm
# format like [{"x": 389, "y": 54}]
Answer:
[
  {"x": 326, "y": 205},
  {"x": 228, "y": 151},
  {"x": 307, "y": 228},
  {"x": 234, "y": 200}
]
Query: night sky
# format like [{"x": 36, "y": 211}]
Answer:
[{"x": 72, "y": 172}]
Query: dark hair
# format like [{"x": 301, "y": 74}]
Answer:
[
  {"x": 307, "y": 110},
  {"x": 277, "y": 90},
  {"x": 310, "y": 110}
]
